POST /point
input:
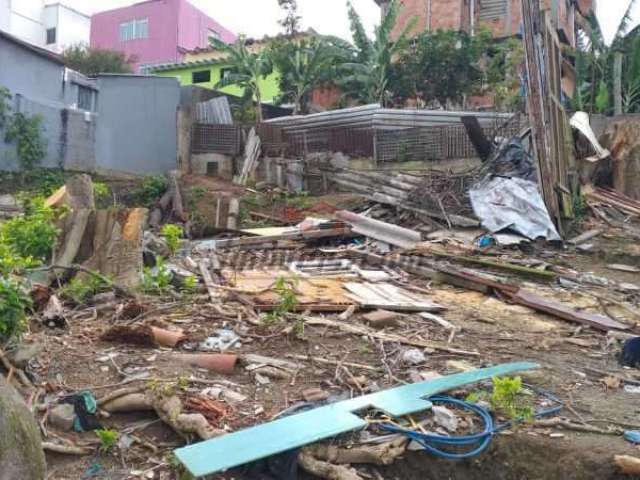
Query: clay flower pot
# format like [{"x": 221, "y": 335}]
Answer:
[
  {"x": 216, "y": 362},
  {"x": 167, "y": 338}
]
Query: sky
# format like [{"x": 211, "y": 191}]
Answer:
[{"x": 257, "y": 18}]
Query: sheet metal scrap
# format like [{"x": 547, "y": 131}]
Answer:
[{"x": 296, "y": 431}]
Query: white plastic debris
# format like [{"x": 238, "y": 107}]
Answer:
[
  {"x": 413, "y": 356},
  {"x": 445, "y": 418},
  {"x": 223, "y": 340}
]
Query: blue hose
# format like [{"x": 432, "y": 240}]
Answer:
[{"x": 478, "y": 442}]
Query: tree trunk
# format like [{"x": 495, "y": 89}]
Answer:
[
  {"x": 617, "y": 83},
  {"x": 259, "y": 117},
  {"x": 21, "y": 454}
]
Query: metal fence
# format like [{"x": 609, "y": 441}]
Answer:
[{"x": 418, "y": 143}]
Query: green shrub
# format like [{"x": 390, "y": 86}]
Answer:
[
  {"x": 26, "y": 132},
  {"x": 14, "y": 303},
  {"x": 509, "y": 398},
  {"x": 172, "y": 234},
  {"x": 287, "y": 302},
  {"x": 33, "y": 234},
  {"x": 81, "y": 289},
  {"x": 156, "y": 280},
  {"x": 151, "y": 189}
]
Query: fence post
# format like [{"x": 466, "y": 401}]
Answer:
[{"x": 375, "y": 147}]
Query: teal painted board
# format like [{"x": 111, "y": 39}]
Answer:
[{"x": 251, "y": 444}]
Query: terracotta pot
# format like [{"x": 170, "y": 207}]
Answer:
[
  {"x": 167, "y": 338},
  {"x": 216, "y": 362}
]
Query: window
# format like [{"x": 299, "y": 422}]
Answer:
[
  {"x": 51, "y": 36},
  {"x": 85, "y": 98},
  {"x": 135, "y": 29},
  {"x": 225, "y": 72},
  {"x": 492, "y": 9},
  {"x": 203, "y": 76}
]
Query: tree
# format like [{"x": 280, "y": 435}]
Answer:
[
  {"x": 304, "y": 65},
  {"x": 291, "y": 21},
  {"x": 443, "y": 65},
  {"x": 247, "y": 69},
  {"x": 93, "y": 61},
  {"x": 366, "y": 76},
  {"x": 596, "y": 67}
]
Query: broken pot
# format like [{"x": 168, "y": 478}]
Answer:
[
  {"x": 167, "y": 338},
  {"x": 216, "y": 362}
]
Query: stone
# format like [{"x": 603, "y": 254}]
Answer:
[
  {"x": 413, "y": 356},
  {"x": 445, "y": 418},
  {"x": 21, "y": 454},
  {"x": 24, "y": 353},
  {"x": 62, "y": 416},
  {"x": 382, "y": 318},
  {"x": 315, "y": 395}
]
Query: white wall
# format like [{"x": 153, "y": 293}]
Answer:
[
  {"x": 26, "y": 20},
  {"x": 73, "y": 28}
]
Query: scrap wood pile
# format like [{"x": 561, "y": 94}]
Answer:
[{"x": 214, "y": 337}]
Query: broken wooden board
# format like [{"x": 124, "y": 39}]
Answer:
[
  {"x": 315, "y": 294},
  {"x": 389, "y": 297},
  {"x": 296, "y": 431}
]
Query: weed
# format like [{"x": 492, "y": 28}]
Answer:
[
  {"x": 79, "y": 290},
  {"x": 151, "y": 189},
  {"x": 299, "y": 200},
  {"x": 580, "y": 208},
  {"x": 178, "y": 468},
  {"x": 190, "y": 285},
  {"x": 14, "y": 302},
  {"x": 108, "y": 439},
  {"x": 156, "y": 280},
  {"x": 102, "y": 193},
  {"x": 172, "y": 234},
  {"x": 509, "y": 398},
  {"x": 365, "y": 349},
  {"x": 287, "y": 302},
  {"x": 33, "y": 234}
]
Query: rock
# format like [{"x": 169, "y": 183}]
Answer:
[
  {"x": 382, "y": 318},
  {"x": 24, "y": 353},
  {"x": 413, "y": 356},
  {"x": 62, "y": 416},
  {"x": 315, "y": 395},
  {"x": 445, "y": 418},
  {"x": 21, "y": 454}
]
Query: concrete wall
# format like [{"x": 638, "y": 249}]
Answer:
[
  {"x": 5, "y": 13},
  {"x": 72, "y": 27},
  {"x": 137, "y": 124},
  {"x": 26, "y": 20}
]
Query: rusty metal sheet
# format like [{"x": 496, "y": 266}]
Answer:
[{"x": 600, "y": 322}]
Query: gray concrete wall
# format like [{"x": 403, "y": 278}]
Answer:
[{"x": 136, "y": 130}]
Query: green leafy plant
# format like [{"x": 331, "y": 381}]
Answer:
[
  {"x": 190, "y": 285},
  {"x": 178, "y": 468},
  {"x": 26, "y": 132},
  {"x": 5, "y": 108},
  {"x": 156, "y": 280},
  {"x": 14, "y": 303},
  {"x": 33, "y": 234},
  {"x": 509, "y": 398},
  {"x": 108, "y": 439},
  {"x": 151, "y": 189},
  {"x": 172, "y": 234},
  {"x": 101, "y": 190},
  {"x": 287, "y": 302},
  {"x": 79, "y": 290}
]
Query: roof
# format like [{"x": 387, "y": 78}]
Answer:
[
  {"x": 180, "y": 65},
  {"x": 33, "y": 48},
  {"x": 253, "y": 41}
]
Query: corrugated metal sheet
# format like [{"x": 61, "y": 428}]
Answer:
[
  {"x": 492, "y": 9},
  {"x": 214, "y": 111},
  {"x": 373, "y": 116}
]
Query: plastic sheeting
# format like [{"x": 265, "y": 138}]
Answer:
[{"x": 512, "y": 203}]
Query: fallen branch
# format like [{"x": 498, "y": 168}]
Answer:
[
  {"x": 328, "y": 361},
  {"x": 568, "y": 425},
  {"x": 384, "y": 454},
  {"x": 118, "y": 393},
  {"x": 65, "y": 449},
  {"x": 11, "y": 368},
  {"x": 326, "y": 470}
]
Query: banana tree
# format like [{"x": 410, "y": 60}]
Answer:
[{"x": 247, "y": 69}]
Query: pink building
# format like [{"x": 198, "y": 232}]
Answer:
[{"x": 155, "y": 31}]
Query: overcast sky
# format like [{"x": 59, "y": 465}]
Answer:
[{"x": 257, "y": 18}]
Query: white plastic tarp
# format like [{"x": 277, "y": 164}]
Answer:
[{"x": 512, "y": 203}]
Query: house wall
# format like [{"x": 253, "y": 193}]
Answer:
[
  {"x": 25, "y": 20},
  {"x": 269, "y": 86},
  {"x": 5, "y": 13},
  {"x": 137, "y": 128},
  {"x": 72, "y": 27},
  {"x": 174, "y": 25}
]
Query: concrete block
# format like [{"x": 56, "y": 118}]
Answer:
[{"x": 212, "y": 165}]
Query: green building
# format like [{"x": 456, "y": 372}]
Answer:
[{"x": 208, "y": 72}]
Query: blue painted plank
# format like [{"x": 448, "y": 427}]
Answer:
[{"x": 287, "y": 433}]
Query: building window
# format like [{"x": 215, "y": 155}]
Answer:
[
  {"x": 225, "y": 72},
  {"x": 203, "y": 76},
  {"x": 135, "y": 29},
  {"x": 51, "y": 36},
  {"x": 85, "y": 98},
  {"x": 492, "y": 9}
]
